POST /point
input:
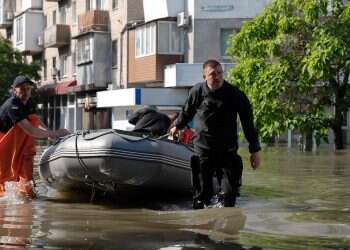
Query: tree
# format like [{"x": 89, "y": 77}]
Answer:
[
  {"x": 12, "y": 63},
  {"x": 293, "y": 61}
]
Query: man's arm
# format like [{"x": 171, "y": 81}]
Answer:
[
  {"x": 247, "y": 120},
  {"x": 36, "y": 132},
  {"x": 187, "y": 113}
]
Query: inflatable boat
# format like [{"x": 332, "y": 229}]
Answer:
[{"x": 113, "y": 160}]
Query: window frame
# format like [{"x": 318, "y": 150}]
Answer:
[
  {"x": 170, "y": 40},
  {"x": 19, "y": 30},
  {"x": 141, "y": 36}
]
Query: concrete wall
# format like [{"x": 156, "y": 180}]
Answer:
[
  {"x": 205, "y": 42},
  {"x": 214, "y": 9}
]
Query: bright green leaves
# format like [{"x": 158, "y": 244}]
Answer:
[
  {"x": 12, "y": 63},
  {"x": 290, "y": 61}
]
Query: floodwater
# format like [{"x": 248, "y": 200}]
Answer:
[{"x": 295, "y": 201}]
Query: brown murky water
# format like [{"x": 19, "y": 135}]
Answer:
[{"x": 295, "y": 201}]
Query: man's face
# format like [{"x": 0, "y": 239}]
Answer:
[
  {"x": 214, "y": 77},
  {"x": 23, "y": 92}
]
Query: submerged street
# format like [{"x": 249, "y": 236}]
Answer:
[{"x": 294, "y": 201}]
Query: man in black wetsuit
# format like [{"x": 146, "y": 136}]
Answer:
[
  {"x": 149, "y": 120},
  {"x": 215, "y": 105}
]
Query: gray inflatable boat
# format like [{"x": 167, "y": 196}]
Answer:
[{"x": 113, "y": 160}]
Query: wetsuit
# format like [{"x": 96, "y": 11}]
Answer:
[{"x": 216, "y": 137}]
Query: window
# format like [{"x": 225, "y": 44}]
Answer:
[
  {"x": 84, "y": 50},
  {"x": 45, "y": 21},
  {"x": 45, "y": 70},
  {"x": 64, "y": 65},
  {"x": 54, "y": 17},
  {"x": 101, "y": 5},
  {"x": 88, "y": 5},
  {"x": 74, "y": 12},
  {"x": 63, "y": 15},
  {"x": 86, "y": 72},
  {"x": 170, "y": 38},
  {"x": 74, "y": 58},
  {"x": 145, "y": 40},
  {"x": 19, "y": 30},
  {"x": 225, "y": 35},
  {"x": 115, "y": 53},
  {"x": 114, "y": 4}
]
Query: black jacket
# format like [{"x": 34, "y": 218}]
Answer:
[
  {"x": 216, "y": 117},
  {"x": 13, "y": 111},
  {"x": 150, "y": 121}
]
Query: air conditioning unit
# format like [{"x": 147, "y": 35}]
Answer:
[
  {"x": 9, "y": 16},
  {"x": 182, "y": 20},
  {"x": 40, "y": 41}
]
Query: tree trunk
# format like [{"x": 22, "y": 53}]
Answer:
[
  {"x": 338, "y": 136},
  {"x": 308, "y": 141}
]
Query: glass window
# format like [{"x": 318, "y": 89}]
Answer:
[
  {"x": 74, "y": 12},
  {"x": 101, "y": 4},
  {"x": 84, "y": 49},
  {"x": 114, "y": 53},
  {"x": 86, "y": 72},
  {"x": 170, "y": 38},
  {"x": 88, "y": 5},
  {"x": 225, "y": 35},
  {"x": 114, "y": 4},
  {"x": 45, "y": 70},
  {"x": 145, "y": 40},
  {"x": 64, "y": 65},
  {"x": 19, "y": 30},
  {"x": 54, "y": 17},
  {"x": 63, "y": 15}
]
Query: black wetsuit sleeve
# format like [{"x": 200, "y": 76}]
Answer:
[
  {"x": 188, "y": 110},
  {"x": 247, "y": 120}
]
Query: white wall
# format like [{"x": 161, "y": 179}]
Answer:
[
  {"x": 207, "y": 9},
  {"x": 156, "y": 9},
  {"x": 32, "y": 4}
]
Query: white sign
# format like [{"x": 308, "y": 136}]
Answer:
[{"x": 217, "y": 8}]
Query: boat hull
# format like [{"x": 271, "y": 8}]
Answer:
[{"x": 110, "y": 160}]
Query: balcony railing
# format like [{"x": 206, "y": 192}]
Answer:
[
  {"x": 57, "y": 36},
  {"x": 93, "y": 20}
]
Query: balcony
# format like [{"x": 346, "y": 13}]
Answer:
[
  {"x": 57, "y": 36},
  {"x": 28, "y": 29},
  {"x": 187, "y": 74},
  {"x": 93, "y": 20},
  {"x": 7, "y": 8}
]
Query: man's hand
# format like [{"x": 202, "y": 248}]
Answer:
[
  {"x": 62, "y": 132},
  {"x": 255, "y": 160},
  {"x": 174, "y": 132}
]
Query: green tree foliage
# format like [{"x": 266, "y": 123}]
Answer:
[
  {"x": 293, "y": 61},
  {"x": 12, "y": 63}
]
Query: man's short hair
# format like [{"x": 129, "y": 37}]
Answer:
[{"x": 212, "y": 63}]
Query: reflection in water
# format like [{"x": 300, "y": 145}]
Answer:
[{"x": 295, "y": 201}]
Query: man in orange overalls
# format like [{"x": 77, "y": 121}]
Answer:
[{"x": 18, "y": 127}]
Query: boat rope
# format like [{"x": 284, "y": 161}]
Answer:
[{"x": 89, "y": 180}]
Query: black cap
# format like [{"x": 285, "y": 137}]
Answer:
[{"x": 19, "y": 80}]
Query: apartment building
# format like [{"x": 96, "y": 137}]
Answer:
[
  {"x": 79, "y": 44},
  {"x": 166, "y": 51}
]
